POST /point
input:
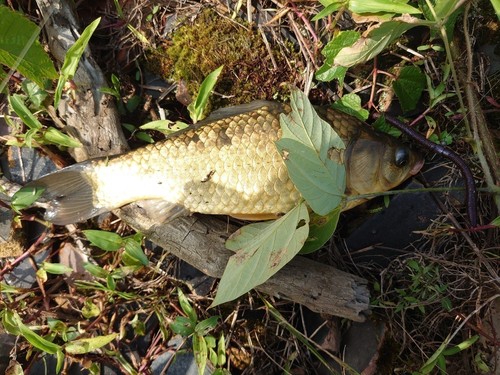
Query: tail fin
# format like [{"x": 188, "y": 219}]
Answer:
[{"x": 69, "y": 194}]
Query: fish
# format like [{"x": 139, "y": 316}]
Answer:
[{"x": 227, "y": 164}]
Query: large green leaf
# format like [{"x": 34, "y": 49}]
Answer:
[
  {"x": 351, "y": 104},
  {"x": 262, "y": 250},
  {"x": 20, "y": 49},
  {"x": 367, "y": 48},
  {"x": 306, "y": 146}
]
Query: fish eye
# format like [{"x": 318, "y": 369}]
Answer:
[{"x": 402, "y": 156}]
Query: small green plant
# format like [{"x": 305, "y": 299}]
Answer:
[
  {"x": 132, "y": 256},
  {"x": 71, "y": 341},
  {"x": 205, "y": 346},
  {"x": 124, "y": 107},
  {"x": 197, "y": 107},
  {"x": 422, "y": 287},
  {"x": 31, "y": 60},
  {"x": 438, "y": 359}
]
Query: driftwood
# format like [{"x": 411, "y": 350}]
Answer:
[{"x": 197, "y": 240}]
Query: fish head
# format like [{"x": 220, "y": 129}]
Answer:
[{"x": 377, "y": 162}]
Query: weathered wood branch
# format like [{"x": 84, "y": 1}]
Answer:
[
  {"x": 197, "y": 240},
  {"x": 200, "y": 242},
  {"x": 90, "y": 116}
]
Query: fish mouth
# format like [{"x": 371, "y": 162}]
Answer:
[{"x": 417, "y": 167}]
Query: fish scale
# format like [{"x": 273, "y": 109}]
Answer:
[{"x": 227, "y": 164}]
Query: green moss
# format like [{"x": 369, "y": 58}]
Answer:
[{"x": 198, "y": 48}]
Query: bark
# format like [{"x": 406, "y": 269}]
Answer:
[
  {"x": 198, "y": 240},
  {"x": 90, "y": 116}
]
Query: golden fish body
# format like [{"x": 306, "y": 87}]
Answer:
[{"x": 227, "y": 164}]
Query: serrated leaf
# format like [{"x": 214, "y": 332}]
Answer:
[
  {"x": 351, "y": 104},
  {"x": 409, "y": 87},
  {"x": 197, "y": 108},
  {"x": 25, "y": 197},
  {"x": 83, "y": 346},
  {"x": 366, "y": 48},
  {"x": 20, "y": 49},
  {"x": 341, "y": 40},
  {"x": 378, "y": 6},
  {"x": 107, "y": 241},
  {"x": 327, "y": 73},
  {"x": 384, "y": 127},
  {"x": 262, "y": 249},
  {"x": 321, "y": 229},
  {"x": 56, "y": 137},
  {"x": 306, "y": 145},
  {"x": 72, "y": 59}
]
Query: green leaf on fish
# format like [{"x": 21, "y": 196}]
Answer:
[
  {"x": 262, "y": 249},
  {"x": 384, "y": 127},
  {"x": 306, "y": 145}
]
